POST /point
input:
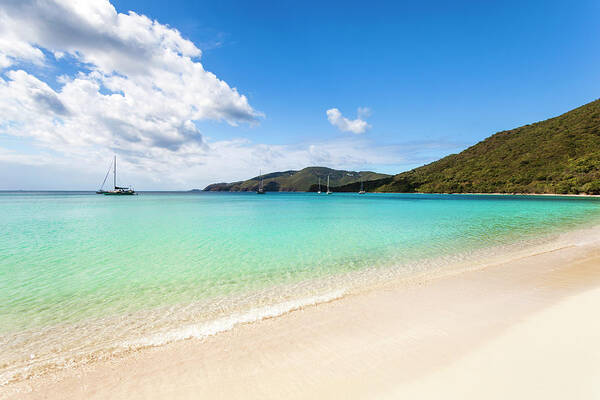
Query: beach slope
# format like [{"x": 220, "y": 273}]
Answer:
[{"x": 523, "y": 328}]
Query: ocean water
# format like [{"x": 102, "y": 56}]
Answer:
[{"x": 85, "y": 277}]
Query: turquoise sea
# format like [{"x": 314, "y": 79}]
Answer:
[{"x": 85, "y": 276}]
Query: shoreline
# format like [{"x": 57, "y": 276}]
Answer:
[
  {"x": 25, "y": 191},
  {"x": 392, "y": 324},
  {"x": 581, "y": 195},
  {"x": 496, "y": 194},
  {"x": 333, "y": 288},
  {"x": 529, "y": 194}
]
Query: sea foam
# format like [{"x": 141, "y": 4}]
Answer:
[{"x": 203, "y": 330}]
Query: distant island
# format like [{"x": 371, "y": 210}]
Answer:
[{"x": 304, "y": 180}]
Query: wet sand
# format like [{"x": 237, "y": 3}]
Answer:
[{"x": 524, "y": 328}]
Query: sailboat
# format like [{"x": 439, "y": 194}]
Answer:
[
  {"x": 261, "y": 186},
  {"x": 362, "y": 190},
  {"x": 319, "y": 186},
  {"x": 328, "y": 191},
  {"x": 117, "y": 190}
]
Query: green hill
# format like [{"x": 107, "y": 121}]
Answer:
[
  {"x": 304, "y": 180},
  {"x": 559, "y": 155}
]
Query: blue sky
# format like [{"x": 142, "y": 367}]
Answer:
[
  {"x": 438, "y": 70},
  {"x": 437, "y": 77}
]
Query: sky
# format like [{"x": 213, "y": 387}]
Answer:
[{"x": 188, "y": 93}]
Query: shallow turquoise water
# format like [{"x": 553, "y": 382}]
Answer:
[{"x": 68, "y": 258}]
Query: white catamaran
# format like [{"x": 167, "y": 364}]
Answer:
[
  {"x": 319, "y": 186},
  {"x": 117, "y": 190},
  {"x": 328, "y": 191}
]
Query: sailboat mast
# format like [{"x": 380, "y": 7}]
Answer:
[
  {"x": 106, "y": 176},
  {"x": 115, "y": 173},
  {"x": 328, "y": 183}
]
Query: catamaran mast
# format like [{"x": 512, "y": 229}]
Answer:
[{"x": 115, "y": 173}]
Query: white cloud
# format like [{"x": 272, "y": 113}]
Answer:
[
  {"x": 358, "y": 125},
  {"x": 364, "y": 112},
  {"x": 139, "y": 91},
  {"x": 141, "y": 88}
]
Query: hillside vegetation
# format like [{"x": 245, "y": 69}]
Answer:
[
  {"x": 559, "y": 155},
  {"x": 297, "y": 181}
]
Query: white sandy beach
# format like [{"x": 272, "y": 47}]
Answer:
[{"x": 523, "y": 328}]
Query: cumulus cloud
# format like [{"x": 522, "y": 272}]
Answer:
[
  {"x": 357, "y": 126},
  {"x": 140, "y": 87}
]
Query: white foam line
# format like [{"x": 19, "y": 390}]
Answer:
[{"x": 214, "y": 327}]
